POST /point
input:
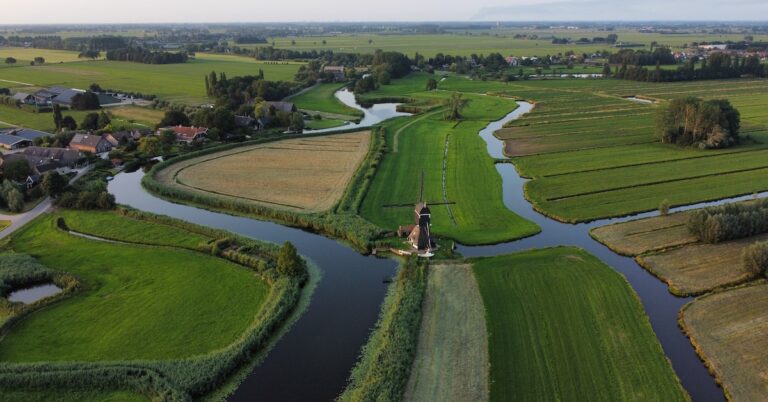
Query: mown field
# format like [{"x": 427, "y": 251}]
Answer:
[
  {"x": 304, "y": 174},
  {"x": 455, "y": 165},
  {"x": 728, "y": 329},
  {"x": 24, "y": 56},
  {"x": 664, "y": 246},
  {"x": 182, "y": 83},
  {"x": 451, "y": 361},
  {"x": 563, "y": 326},
  {"x": 321, "y": 99},
  {"x": 27, "y": 117},
  {"x": 143, "y": 302},
  {"x": 593, "y": 154},
  {"x": 481, "y": 41}
]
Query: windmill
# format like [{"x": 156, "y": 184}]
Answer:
[{"x": 419, "y": 236}]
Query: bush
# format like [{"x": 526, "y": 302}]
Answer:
[
  {"x": 755, "y": 258},
  {"x": 664, "y": 208}
]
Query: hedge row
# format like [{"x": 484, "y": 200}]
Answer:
[
  {"x": 356, "y": 190},
  {"x": 382, "y": 372}
]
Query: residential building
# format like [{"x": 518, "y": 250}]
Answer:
[
  {"x": 337, "y": 71},
  {"x": 95, "y": 144},
  {"x": 185, "y": 134}
]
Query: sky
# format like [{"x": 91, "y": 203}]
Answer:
[{"x": 180, "y": 11}]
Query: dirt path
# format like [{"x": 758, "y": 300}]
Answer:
[{"x": 452, "y": 356}]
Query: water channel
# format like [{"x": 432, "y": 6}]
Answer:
[{"x": 312, "y": 361}]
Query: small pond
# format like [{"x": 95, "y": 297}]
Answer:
[
  {"x": 32, "y": 294},
  {"x": 372, "y": 115}
]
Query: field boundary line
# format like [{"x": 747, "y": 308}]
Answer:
[
  {"x": 577, "y": 149},
  {"x": 445, "y": 174},
  {"x": 412, "y": 122}
]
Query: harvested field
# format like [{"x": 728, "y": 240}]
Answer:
[
  {"x": 452, "y": 357},
  {"x": 302, "y": 174},
  {"x": 643, "y": 235},
  {"x": 698, "y": 268},
  {"x": 729, "y": 329}
]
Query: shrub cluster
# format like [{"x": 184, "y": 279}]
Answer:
[
  {"x": 382, "y": 372},
  {"x": 755, "y": 258},
  {"x": 729, "y": 221}
]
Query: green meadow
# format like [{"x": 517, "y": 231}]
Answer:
[
  {"x": 138, "y": 301},
  {"x": 29, "y": 118},
  {"x": 591, "y": 153},
  {"x": 24, "y": 56},
  {"x": 182, "y": 83},
  {"x": 562, "y": 326},
  {"x": 424, "y": 144},
  {"x": 321, "y": 99}
]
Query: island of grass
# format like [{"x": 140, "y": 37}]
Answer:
[
  {"x": 300, "y": 174},
  {"x": 321, "y": 99},
  {"x": 564, "y": 326},
  {"x": 156, "y": 296}
]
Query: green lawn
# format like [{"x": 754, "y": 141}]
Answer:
[
  {"x": 324, "y": 123},
  {"x": 321, "y": 99},
  {"x": 174, "y": 82},
  {"x": 138, "y": 302},
  {"x": 565, "y": 327},
  {"x": 418, "y": 145},
  {"x": 27, "y": 117}
]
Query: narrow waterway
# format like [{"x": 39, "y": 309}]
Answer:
[
  {"x": 372, "y": 115},
  {"x": 661, "y": 306}
]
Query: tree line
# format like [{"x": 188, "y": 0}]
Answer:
[
  {"x": 717, "y": 66},
  {"x": 729, "y": 221},
  {"x": 141, "y": 55}
]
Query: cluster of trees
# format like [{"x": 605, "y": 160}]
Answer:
[
  {"x": 10, "y": 60},
  {"x": 609, "y": 39},
  {"x": 63, "y": 123},
  {"x": 729, "y": 221},
  {"x": 717, "y": 66},
  {"x": 278, "y": 118},
  {"x": 95, "y": 121},
  {"x": 703, "y": 123},
  {"x": 250, "y": 39},
  {"x": 12, "y": 194},
  {"x": 85, "y": 101},
  {"x": 237, "y": 91},
  {"x": 660, "y": 55},
  {"x": 90, "y": 192},
  {"x": 755, "y": 258},
  {"x": 141, "y": 55}
]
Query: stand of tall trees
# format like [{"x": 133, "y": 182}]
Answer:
[
  {"x": 718, "y": 66},
  {"x": 141, "y": 55},
  {"x": 660, "y": 55},
  {"x": 729, "y": 221},
  {"x": 696, "y": 122}
]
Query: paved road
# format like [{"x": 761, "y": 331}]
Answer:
[{"x": 19, "y": 220}]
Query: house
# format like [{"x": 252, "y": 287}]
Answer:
[
  {"x": 26, "y": 133},
  {"x": 123, "y": 137},
  {"x": 8, "y": 141},
  {"x": 286, "y": 107},
  {"x": 24, "y": 98},
  {"x": 337, "y": 71},
  {"x": 248, "y": 121},
  {"x": 95, "y": 144},
  {"x": 185, "y": 134},
  {"x": 512, "y": 61},
  {"x": 65, "y": 158},
  {"x": 420, "y": 237},
  {"x": 37, "y": 166}
]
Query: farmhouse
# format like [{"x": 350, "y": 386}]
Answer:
[
  {"x": 65, "y": 158},
  {"x": 185, "y": 134},
  {"x": 337, "y": 71},
  {"x": 90, "y": 143}
]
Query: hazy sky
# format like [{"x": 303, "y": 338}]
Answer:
[{"x": 141, "y": 11}]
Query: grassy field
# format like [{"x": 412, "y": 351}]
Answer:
[
  {"x": 455, "y": 165},
  {"x": 664, "y": 246},
  {"x": 563, "y": 326},
  {"x": 174, "y": 82},
  {"x": 62, "y": 395},
  {"x": 452, "y": 357},
  {"x": 142, "y": 301},
  {"x": 306, "y": 175},
  {"x": 324, "y": 123},
  {"x": 26, "y": 117},
  {"x": 24, "y": 56},
  {"x": 728, "y": 329},
  {"x": 591, "y": 153},
  {"x": 321, "y": 99},
  {"x": 467, "y": 42}
]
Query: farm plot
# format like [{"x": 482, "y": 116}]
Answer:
[
  {"x": 562, "y": 326},
  {"x": 591, "y": 154},
  {"x": 728, "y": 329},
  {"x": 642, "y": 235},
  {"x": 451, "y": 361},
  {"x": 303, "y": 174},
  {"x": 455, "y": 166}
]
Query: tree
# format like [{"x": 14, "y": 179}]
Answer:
[
  {"x": 174, "y": 118},
  {"x": 53, "y": 183},
  {"x": 664, "y": 207},
  {"x": 454, "y": 105},
  {"x": 296, "y": 122},
  {"x": 90, "y": 122},
  {"x": 104, "y": 119},
  {"x": 68, "y": 123},
  {"x": 85, "y": 101},
  {"x": 17, "y": 170},
  {"x": 431, "y": 84},
  {"x": 693, "y": 121},
  {"x": 612, "y": 38},
  {"x": 57, "y": 116},
  {"x": 755, "y": 258},
  {"x": 10, "y": 60},
  {"x": 39, "y": 60},
  {"x": 288, "y": 261},
  {"x": 15, "y": 200},
  {"x": 150, "y": 146},
  {"x": 167, "y": 137}
]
